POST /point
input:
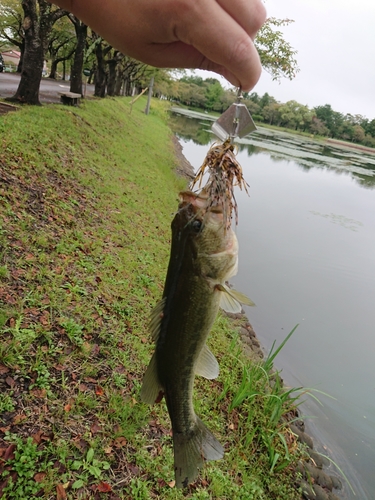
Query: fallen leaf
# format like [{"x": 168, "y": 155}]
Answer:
[
  {"x": 103, "y": 487},
  {"x": 67, "y": 407},
  {"x": 99, "y": 391},
  {"x": 119, "y": 442},
  {"x": 19, "y": 418},
  {"x": 61, "y": 493},
  {"x": 39, "y": 393},
  {"x": 37, "y": 437},
  {"x": 172, "y": 484},
  {"x": 3, "y": 369},
  {"x": 10, "y": 381},
  {"x": 95, "y": 428},
  {"x": 9, "y": 452},
  {"x": 134, "y": 469},
  {"x": 39, "y": 477},
  {"x": 95, "y": 350},
  {"x": 44, "y": 320}
]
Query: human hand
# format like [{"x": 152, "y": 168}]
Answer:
[{"x": 215, "y": 35}]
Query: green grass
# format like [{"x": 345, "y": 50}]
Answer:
[{"x": 87, "y": 196}]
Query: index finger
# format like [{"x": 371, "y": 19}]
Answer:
[{"x": 226, "y": 46}]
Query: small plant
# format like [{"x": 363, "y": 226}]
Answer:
[
  {"x": 19, "y": 472},
  {"x": 75, "y": 289},
  {"x": 43, "y": 379},
  {"x": 87, "y": 467},
  {"x": 6, "y": 402},
  {"x": 74, "y": 331}
]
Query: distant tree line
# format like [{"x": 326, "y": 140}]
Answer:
[{"x": 209, "y": 95}]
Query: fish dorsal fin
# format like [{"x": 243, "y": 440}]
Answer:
[
  {"x": 207, "y": 365},
  {"x": 151, "y": 391},
  {"x": 156, "y": 318},
  {"x": 231, "y": 300}
]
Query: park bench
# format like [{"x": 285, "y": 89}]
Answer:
[{"x": 70, "y": 98}]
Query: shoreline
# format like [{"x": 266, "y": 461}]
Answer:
[{"x": 316, "y": 484}]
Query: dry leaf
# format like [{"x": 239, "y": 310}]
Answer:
[
  {"x": 103, "y": 487},
  {"x": 39, "y": 393},
  {"x": 119, "y": 442},
  {"x": 61, "y": 493},
  {"x": 10, "y": 381},
  {"x": 39, "y": 476},
  {"x": 99, "y": 391},
  {"x": 37, "y": 437},
  {"x": 3, "y": 369},
  {"x": 19, "y": 418},
  {"x": 95, "y": 428}
]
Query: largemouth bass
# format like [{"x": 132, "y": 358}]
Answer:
[{"x": 204, "y": 254}]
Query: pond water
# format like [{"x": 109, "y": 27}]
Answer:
[{"x": 307, "y": 256}]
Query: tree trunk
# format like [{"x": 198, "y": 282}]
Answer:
[
  {"x": 52, "y": 73},
  {"x": 21, "y": 46},
  {"x": 77, "y": 67},
  {"x": 37, "y": 29},
  {"x": 111, "y": 76},
  {"x": 118, "y": 83},
  {"x": 100, "y": 74}
]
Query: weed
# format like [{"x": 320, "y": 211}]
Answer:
[
  {"x": 74, "y": 331},
  {"x": 20, "y": 471},
  {"x": 6, "y": 402},
  {"x": 89, "y": 466},
  {"x": 3, "y": 272}
]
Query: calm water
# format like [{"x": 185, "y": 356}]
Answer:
[{"x": 307, "y": 256}]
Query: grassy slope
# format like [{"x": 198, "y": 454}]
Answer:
[{"x": 86, "y": 200}]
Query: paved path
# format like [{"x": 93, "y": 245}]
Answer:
[{"x": 49, "y": 89}]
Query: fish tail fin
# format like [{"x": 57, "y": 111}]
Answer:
[{"x": 191, "y": 450}]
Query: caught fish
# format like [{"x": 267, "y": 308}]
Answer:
[{"x": 204, "y": 255}]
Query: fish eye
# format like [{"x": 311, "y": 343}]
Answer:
[{"x": 196, "y": 225}]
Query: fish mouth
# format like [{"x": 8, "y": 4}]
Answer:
[{"x": 202, "y": 205}]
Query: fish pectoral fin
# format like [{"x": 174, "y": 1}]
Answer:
[
  {"x": 190, "y": 451},
  {"x": 207, "y": 365},
  {"x": 156, "y": 318},
  {"x": 151, "y": 391},
  {"x": 231, "y": 300}
]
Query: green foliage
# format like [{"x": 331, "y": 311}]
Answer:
[
  {"x": 26, "y": 463},
  {"x": 89, "y": 466},
  {"x": 276, "y": 54}
]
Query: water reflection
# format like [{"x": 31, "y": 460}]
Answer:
[{"x": 307, "y": 153}]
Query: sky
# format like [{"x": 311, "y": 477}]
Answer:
[{"x": 335, "y": 41}]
